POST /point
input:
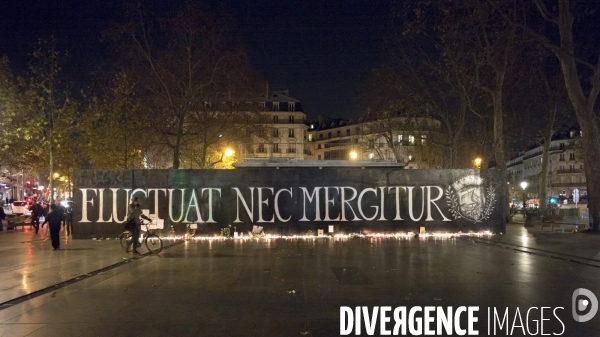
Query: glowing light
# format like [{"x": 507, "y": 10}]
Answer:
[
  {"x": 229, "y": 152},
  {"x": 353, "y": 155},
  {"x": 477, "y": 162},
  {"x": 56, "y": 175},
  {"x": 270, "y": 237},
  {"x": 524, "y": 185}
]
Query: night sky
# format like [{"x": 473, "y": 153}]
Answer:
[{"x": 323, "y": 51}]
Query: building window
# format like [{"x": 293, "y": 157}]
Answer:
[
  {"x": 276, "y": 133},
  {"x": 423, "y": 137},
  {"x": 562, "y": 157},
  {"x": 318, "y": 157},
  {"x": 581, "y": 166},
  {"x": 411, "y": 140},
  {"x": 275, "y": 148},
  {"x": 310, "y": 137},
  {"x": 275, "y": 119},
  {"x": 291, "y": 148},
  {"x": 292, "y": 106},
  {"x": 348, "y": 132},
  {"x": 400, "y": 139},
  {"x": 291, "y": 119},
  {"x": 275, "y": 106},
  {"x": 320, "y": 136},
  {"x": 329, "y": 135},
  {"x": 261, "y": 148},
  {"x": 339, "y": 133},
  {"x": 291, "y": 133},
  {"x": 572, "y": 156},
  {"x": 318, "y": 146}
]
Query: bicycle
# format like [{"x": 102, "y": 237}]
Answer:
[{"x": 151, "y": 240}]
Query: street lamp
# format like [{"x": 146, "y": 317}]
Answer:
[
  {"x": 229, "y": 152},
  {"x": 524, "y": 186},
  {"x": 353, "y": 155},
  {"x": 477, "y": 162}
]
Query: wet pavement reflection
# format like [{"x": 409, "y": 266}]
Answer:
[{"x": 286, "y": 287}]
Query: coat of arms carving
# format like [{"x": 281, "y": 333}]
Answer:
[{"x": 469, "y": 199}]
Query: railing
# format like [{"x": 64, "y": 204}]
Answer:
[{"x": 569, "y": 171}]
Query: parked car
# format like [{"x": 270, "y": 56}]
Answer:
[{"x": 21, "y": 207}]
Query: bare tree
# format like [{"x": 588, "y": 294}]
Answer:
[
  {"x": 180, "y": 63},
  {"x": 581, "y": 74}
]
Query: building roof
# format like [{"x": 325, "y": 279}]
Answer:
[{"x": 280, "y": 96}]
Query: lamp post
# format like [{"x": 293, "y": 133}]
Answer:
[
  {"x": 477, "y": 162},
  {"x": 527, "y": 216},
  {"x": 524, "y": 186}
]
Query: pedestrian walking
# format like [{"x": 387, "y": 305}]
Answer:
[
  {"x": 135, "y": 213},
  {"x": 36, "y": 212},
  {"x": 60, "y": 208},
  {"x": 54, "y": 218}
]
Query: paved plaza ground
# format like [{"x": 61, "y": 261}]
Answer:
[{"x": 289, "y": 287}]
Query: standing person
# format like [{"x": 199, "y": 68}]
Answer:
[
  {"x": 36, "y": 212},
  {"x": 135, "y": 213},
  {"x": 2, "y": 217},
  {"x": 69, "y": 217},
  {"x": 54, "y": 219}
]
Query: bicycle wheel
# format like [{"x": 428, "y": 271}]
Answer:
[
  {"x": 154, "y": 243},
  {"x": 126, "y": 241}
]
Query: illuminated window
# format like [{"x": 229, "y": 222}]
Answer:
[
  {"x": 411, "y": 140},
  {"x": 423, "y": 137}
]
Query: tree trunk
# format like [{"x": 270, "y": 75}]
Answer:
[
  {"x": 498, "y": 130},
  {"x": 543, "y": 181},
  {"x": 454, "y": 154},
  {"x": 583, "y": 107},
  {"x": 177, "y": 150},
  {"x": 51, "y": 180}
]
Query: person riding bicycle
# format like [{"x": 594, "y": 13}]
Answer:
[{"x": 135, "y": 213}]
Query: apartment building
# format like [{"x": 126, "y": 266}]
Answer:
[{"x": 565, "y": 168}]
